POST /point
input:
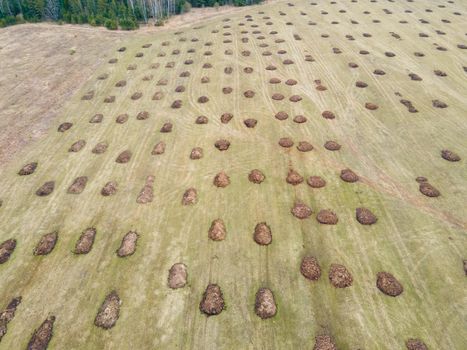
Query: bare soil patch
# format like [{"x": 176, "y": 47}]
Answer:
[
  {"x": 109, "y": 311},
  {"x": 46, "y": 244},
  {"x": 212, "y": 302},
  {"x": 265, "y": 305},
  {"x": 128, "y": 245}
]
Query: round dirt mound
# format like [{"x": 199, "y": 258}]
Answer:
[
  {"x": 301, "y": 211},
  {"x": 339, "y": 276},
  {"x": 291, "y": 82},
  {"x": 221, "y": 180},
  {"x": 222, "y": 145},
  {"x": 128, "y": 245},
  {"x": 327, "y": 217},
  {"x": 213, "y": 300},
  {"x": 64, "y": 127},
  {"x": 158, "y": 149},
  {"x": 277, "y": 97},
  {"x": 371, "y": 106},
  {"x": 295, "y": 98},
  {"x": 256, "y": 176},
  {"x": 176, "y": 104},
  {"x": 324, "y": 342},
  {"x": 304, "y": 146},
  {"x": 203, "y": 99},
  {"x": 100, "y": 148},
  {"x": 262, "y": 234},
  {"x": 439, "y": 104},
  {"x": 249, "y": 94},
  {"x": 124, "y": 157},
  {"x": 77, "y": 146},
  {"x": 201, "y": 120},
  {"x": 109, "y": 311},
  {"x": 286, "y": 142},
  {"x": 42, "y": 335},
  {"x": 109, "y": 189},
  {"x": 78, "y": 185},
  {"x": 310, "y": 268},
  {"x": 415, "y": 344},
  {"x": 299, "y": 119},
  {"x": 190, "y": 196},
  {"x": 429, "y": 190},
  {"x": 365, "y": 216},
  {"x": 250, "y": 122},
  {"x": 6, "y": 249},
  {"x": 265, "y": 305},
  {"x": 46, "y": 189},
  {"x": 167, "y": 127},
  {"x": 226, "y": 117},
  {"x": 227, "y": 90},
  {"x": 217, "y": 231},
  {"x": 274, "y": 81},
  {"x": 332, "y": 146},
  {"x": 294, "y": 178},
  {"x": 328, "y": 115},
  {"x": 46, "y": 243},
  {"x": 196, "y": 153},
  {"x": 388, "y": 284},
  {"x": 177, "y": 276},
  {"x": 450, "y": 156},
  {"x": 28, "y": 169},
  {"x": 281, "y": 115},
  {"x": 85, "y": 241},
  {"x": 316, "y": 182},
  {"x": 142, "y": 115},
  {"x": 361, "y": 84},
  {"x": 349, "y": 176}
]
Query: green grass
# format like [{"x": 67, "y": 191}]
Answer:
[{"x": 418, "y": 239}]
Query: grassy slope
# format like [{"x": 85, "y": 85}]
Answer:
[{"x": 418, "y": 239}]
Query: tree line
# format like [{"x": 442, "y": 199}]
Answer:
[{"x": 113, "y": 14}]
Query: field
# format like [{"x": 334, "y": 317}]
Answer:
[{"x": 420, "y": 240}]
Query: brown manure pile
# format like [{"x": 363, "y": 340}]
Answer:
[
  {"x": 222, "y": 144},
  {"x": 77, "y": 146},
  {"x": 304, "y": 146},
  {"x": 217, "y": 231},
  {"x": 109, "y": 311},
  {"x": 146, "y": 194},
  {"x": 122, "y": 118},
  {"x": 429, "y": 190},
  {"x": 28, "y": 169},
  {"x": 286, "y": 142},
  {"x": 100, "y": 148},
  {"x": 265, "y": 305},
  {"x": 42, "y": 335},
  {"x": 190, "y": 196},
  {"x": 46, "y": 243},
  {"x": 196, "y": 153},
  {"x": 143, "y": 115},
  {"x": 316, "y": 182},
  {"x": 85, "y": 241},
  {"x": 159, "y": 148},
  {"x": 78, "y": 185},
  {"x": 327, "y": 217},
  {"x": 324, "y": 342},
  {"x": 167, "y": 127},
  {"x": 301, "y": 210},
  {"x": 365, "y": 216},
  {"x": 339, "y": 276},
  {"x": 332, "y": 146},
  {"x": 310, "y": 268},
  {"x": 201, "y": 120},
  {"x": 6, "y": 250},
  {"x": 328, "y": 115},
  {"x": 388, "y": 284},
  {"x": 128, "y": 245},
  {"x": 256, "y": 176},
  {"x": 109, "y": 189},
  {"x": 450, "y": 156},
  {"x": 177, "y": 276},
  {"x": 221, "y": 180},
  {"x": 415, "y": 344},
  {"x": 226, "y": 117},
  {"x": 281, "y": 115},
  {"x": 64, "y": 127},
  {"x": 8, "y": 314},
  {"x": 212, "y": 302},
  {"x": 348, "y": 175},
  {"x": 262, "y": 234},
  {"x": 46, "y": 189},
  {"x": 124, "y": 157},
  {"x": 294, "y": 178}
]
